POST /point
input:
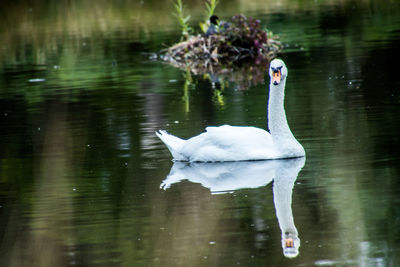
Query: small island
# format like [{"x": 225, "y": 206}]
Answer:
[
  {"x": 239, "y": 39},
  {"x": 223, "y": 47}
]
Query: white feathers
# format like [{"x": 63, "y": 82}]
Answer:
[{"x": 173, "y": 143}]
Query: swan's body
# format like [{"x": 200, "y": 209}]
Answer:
[{"x": 238, "y": 143}]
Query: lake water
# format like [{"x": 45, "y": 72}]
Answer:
[{"x": 84, "y": 181}]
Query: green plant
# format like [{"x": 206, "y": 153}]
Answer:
[
  {"x": 182, "y": 19},
  {"x": 211, "y": 5}
]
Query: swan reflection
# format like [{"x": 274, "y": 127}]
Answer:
[{"x": 226, "y": 177}]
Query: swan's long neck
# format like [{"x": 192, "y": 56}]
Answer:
[
  {"x": 285, "y": 143},
  {"x": 277, "y": 122}
]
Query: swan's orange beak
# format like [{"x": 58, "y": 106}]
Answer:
[
  {"x": 289, "y": 243},
  {"x": 276, "y": 77}
]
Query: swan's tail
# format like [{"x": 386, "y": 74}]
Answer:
[{"x": 173, "y": 143}]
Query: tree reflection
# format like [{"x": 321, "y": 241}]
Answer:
[{"x": 43, "y": 244}]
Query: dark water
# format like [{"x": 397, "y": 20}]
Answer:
[{"x": 84, "y": 181}]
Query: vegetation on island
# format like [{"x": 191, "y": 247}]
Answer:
[{"x": 240, "y": 44}]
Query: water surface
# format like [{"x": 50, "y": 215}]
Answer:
[{"x": 83, "y": 178}]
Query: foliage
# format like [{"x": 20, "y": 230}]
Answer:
[
  {"x": 247, "y": 33},
  {"x": 224, "y": 52},
  {"x": 240, "y": 39},
  {"x": 211, "y": 5},
  {"x": 182, "y": 19}
]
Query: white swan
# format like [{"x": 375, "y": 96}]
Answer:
[{"x": 238, "y": 143}]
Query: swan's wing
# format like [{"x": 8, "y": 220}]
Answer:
[
  {"x": 227, "y": 135},
  {"x": 229, "y": 143}
]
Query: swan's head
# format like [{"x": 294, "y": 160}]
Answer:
[
  {"x": 277, "y": 71},
  {"x": 290, "y": 245}
]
